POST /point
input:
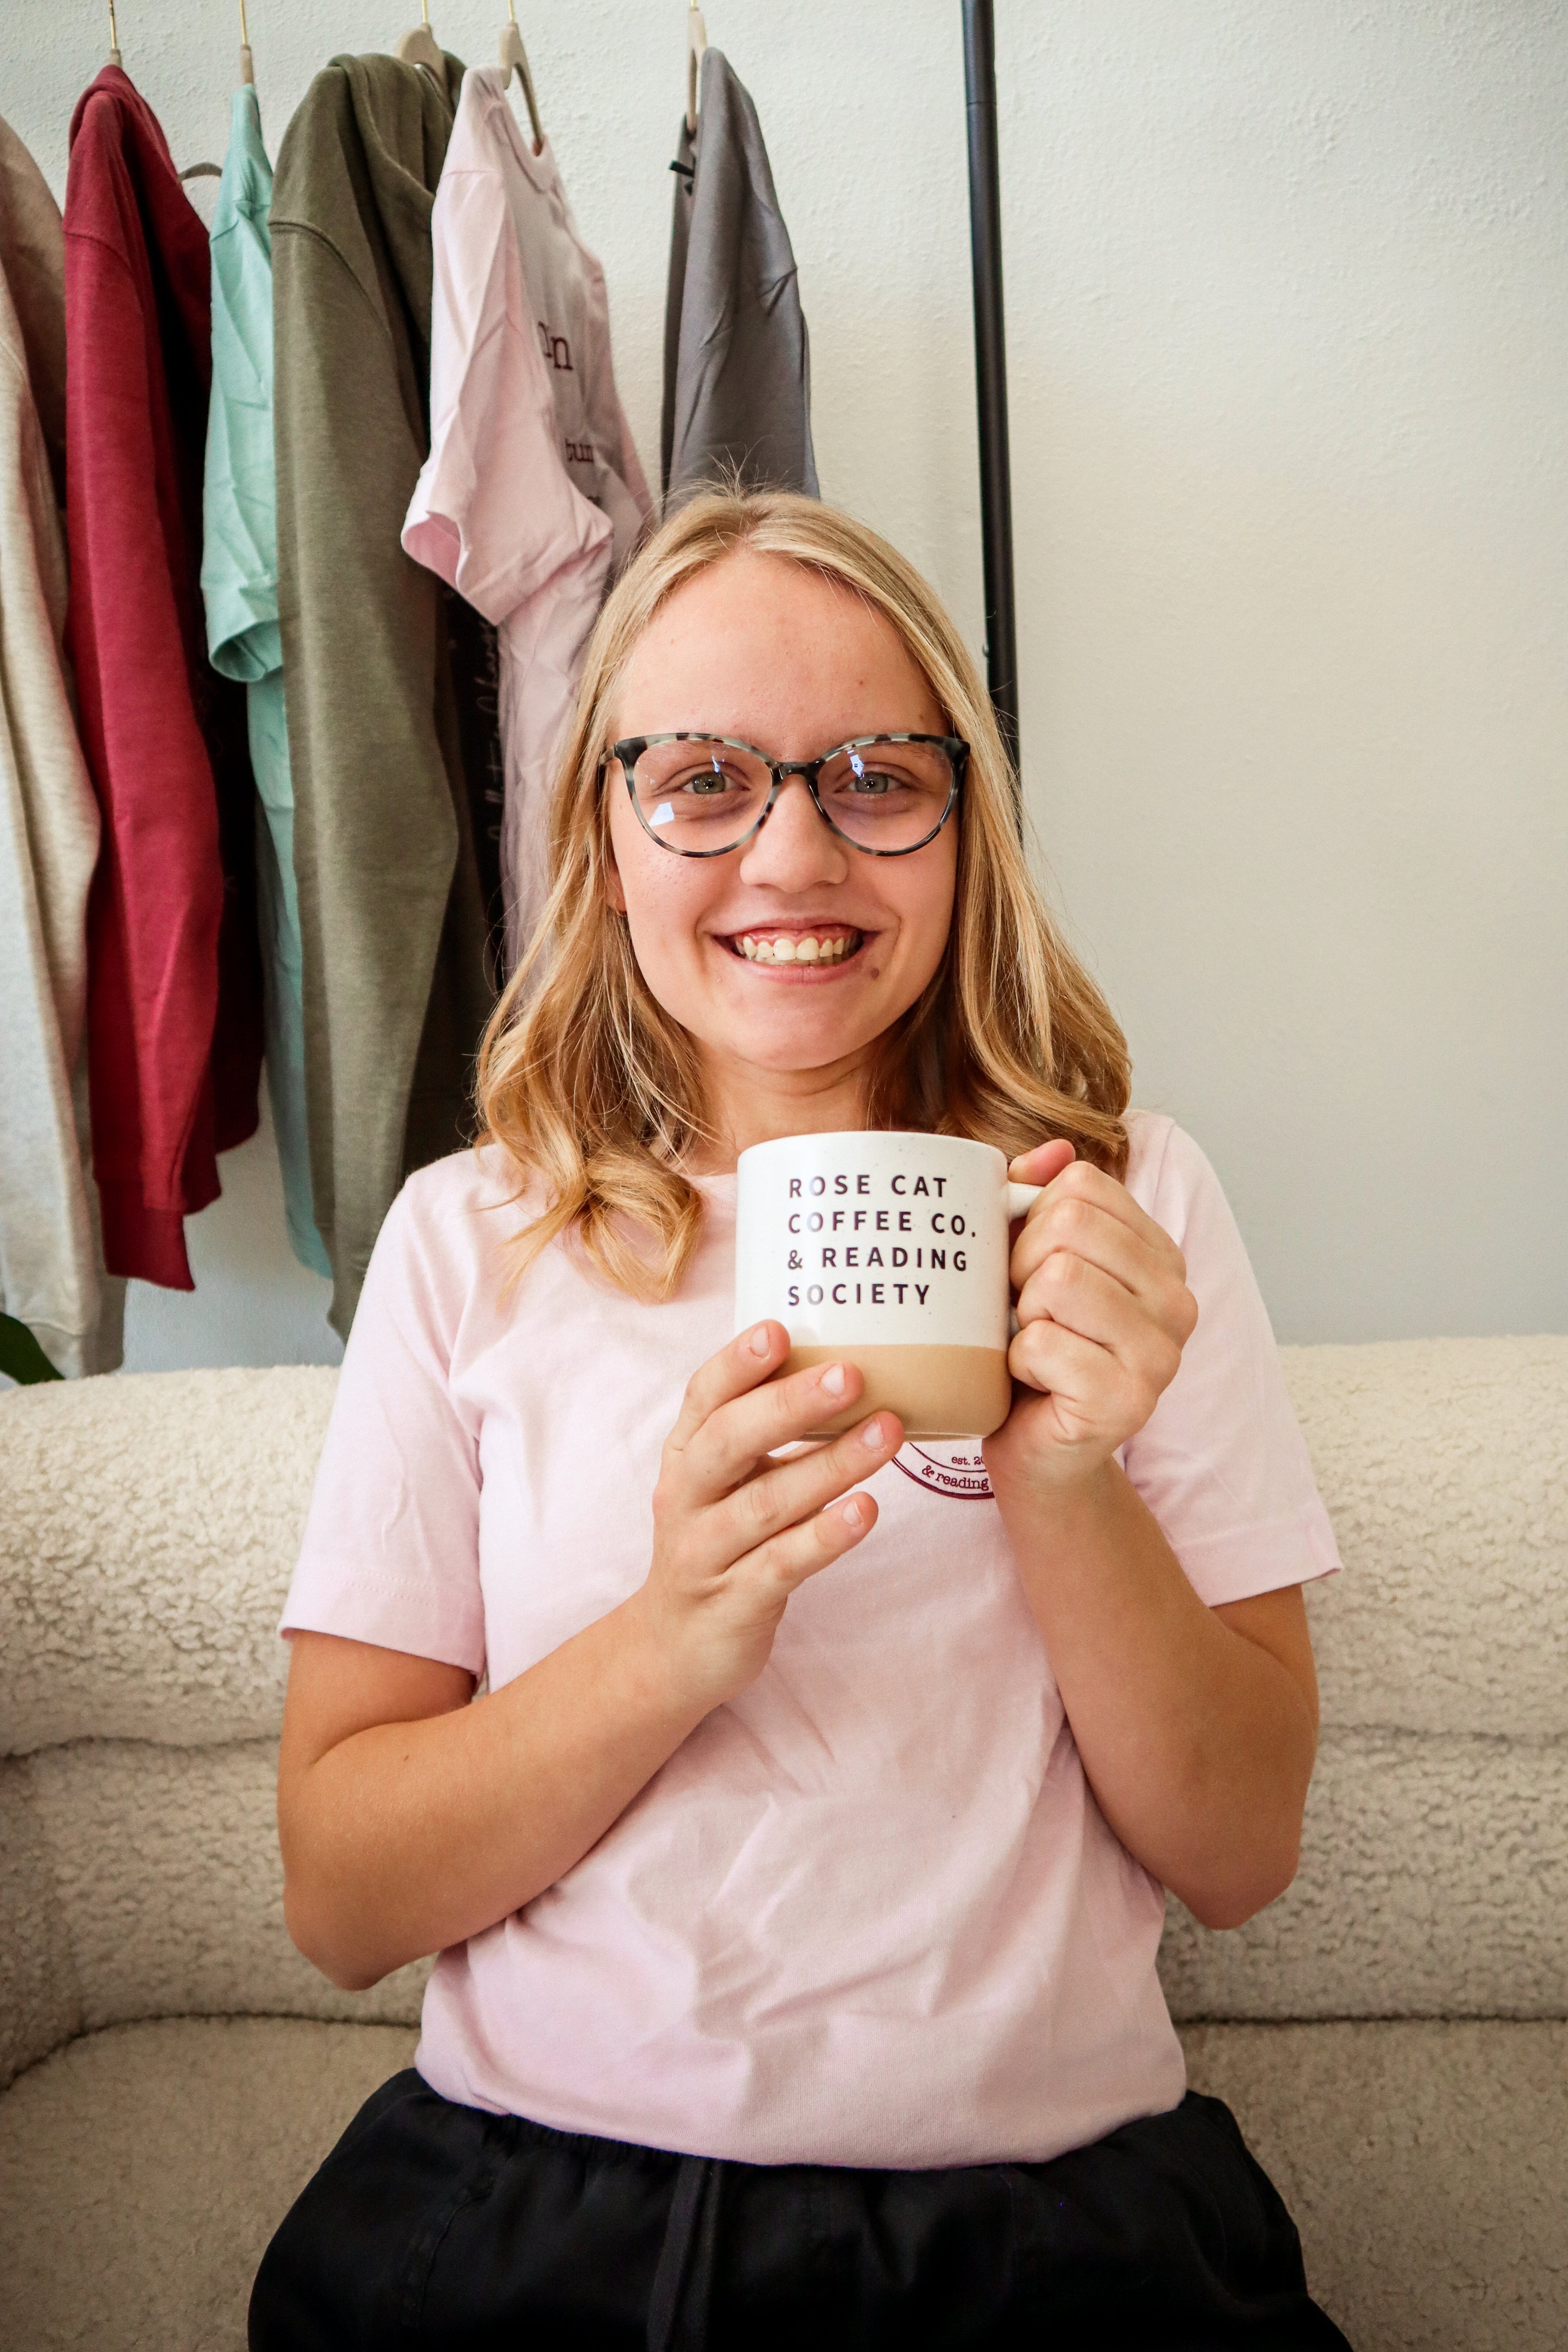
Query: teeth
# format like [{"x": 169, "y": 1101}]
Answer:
[{"x": 784, "y": 948}]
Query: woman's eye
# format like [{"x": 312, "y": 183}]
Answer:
[
  {"x": 874, "y": 781},
  {"x": 705, "y": 783}
]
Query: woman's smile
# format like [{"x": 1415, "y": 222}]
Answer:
[
  {"x": 817, "y": 944},
  {"x": 807, "y": 949}
]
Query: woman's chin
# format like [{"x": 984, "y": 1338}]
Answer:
[{"x": 787, "y": 1048}]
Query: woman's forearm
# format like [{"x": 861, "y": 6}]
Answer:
[
  {"x": 1197, "y": 1742},
  {"x": 407, "y": 1836}
]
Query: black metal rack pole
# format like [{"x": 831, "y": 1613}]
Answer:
[{"x": 991, "y": 364}]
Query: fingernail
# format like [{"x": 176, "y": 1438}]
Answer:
[
  {"x": 854, "y": 1512},
  {"x": 760, "y": 1341},
  {"x": 833, "y": 1379},
  {"x": 872, "y": 1437}
]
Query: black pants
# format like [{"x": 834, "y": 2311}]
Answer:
[{"x": 432, "y": 2225}]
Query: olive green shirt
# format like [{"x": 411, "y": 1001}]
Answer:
[{"x": 392, "y": 929}]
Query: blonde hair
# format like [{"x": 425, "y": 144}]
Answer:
[{"x": 594, "y": 1089}]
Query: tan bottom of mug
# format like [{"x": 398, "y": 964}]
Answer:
[{"x": 934, "y": 1391}]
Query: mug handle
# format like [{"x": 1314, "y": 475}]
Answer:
[{"x": 1021, "y": 1198}]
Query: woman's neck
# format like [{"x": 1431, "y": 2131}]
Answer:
[{"x": 751, "y": 1105}]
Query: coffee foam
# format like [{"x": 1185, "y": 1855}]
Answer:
[{"x": 936, "y": 1391}]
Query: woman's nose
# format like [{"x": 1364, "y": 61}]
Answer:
[{"x": 796, "y": 849}]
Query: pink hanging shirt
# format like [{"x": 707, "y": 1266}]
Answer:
[
  {"x": 531, "y": 495},
  {"x": 870, "y": 1913}
]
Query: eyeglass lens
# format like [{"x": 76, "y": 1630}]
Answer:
[{"x": 705, "y": 795}]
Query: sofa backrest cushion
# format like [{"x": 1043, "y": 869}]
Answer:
[
  {"x": 148, "y": 1532},
  {"x": 1444, "y": 1464}
]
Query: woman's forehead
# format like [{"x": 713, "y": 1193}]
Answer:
[{"x": 759, "y": 642}]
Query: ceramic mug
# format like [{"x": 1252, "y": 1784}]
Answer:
[{"x": 889, "y": 1251}]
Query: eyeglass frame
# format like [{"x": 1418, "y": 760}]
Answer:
[{"x": 631, "y": 748}]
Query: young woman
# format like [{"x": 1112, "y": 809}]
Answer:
[{"x": 797, "y": 1878}]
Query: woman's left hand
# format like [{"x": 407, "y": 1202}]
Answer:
[{"x": 1103, "y": 1313}]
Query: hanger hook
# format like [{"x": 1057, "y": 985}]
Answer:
[
  {"x": 514, "y": 59},
  {"x": 113, "y": 37},
  {"x": 697, "y": 45}
]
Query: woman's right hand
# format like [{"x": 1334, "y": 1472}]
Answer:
[{"x": 736, "y": 1534}]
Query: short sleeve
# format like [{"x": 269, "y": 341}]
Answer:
[
  {"x": 1221, "y": 1462},
  {"x": 494, "y": 512},
  {"x": 239, "y": 518},
  {"x": 390, "y": 1553}
]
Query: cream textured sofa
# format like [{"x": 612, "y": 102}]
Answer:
[{"x": 1393, "y": 2034}]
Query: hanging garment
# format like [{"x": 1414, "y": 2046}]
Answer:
[
  {"x": 51, "y": 1275},
  {"x": 32, "y": 243},
  {"x": 531, "y": 495},
  {"x": 737, "y": 368},
  {"x": 239, "y": 587},
  {"x": 391, "y": 908},
  {"x": 173, "y": 976},
  {"x": 63, "y": 820}
]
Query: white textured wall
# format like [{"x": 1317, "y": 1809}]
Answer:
[{"x": 1287, "y": 314}]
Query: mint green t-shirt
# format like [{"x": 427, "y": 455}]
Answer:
[{"x": 239, "y": 585}]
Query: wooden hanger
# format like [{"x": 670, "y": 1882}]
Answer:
[
  {"x": 246, "y": 74},
  {"x": 514, "y": 56},
  {"x": 697, "y": 50},
  {"x": 191, "y": 170},
  {"x": 421, "y": 46}
]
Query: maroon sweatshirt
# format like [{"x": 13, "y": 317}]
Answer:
[{"x": 173, "y": 969}]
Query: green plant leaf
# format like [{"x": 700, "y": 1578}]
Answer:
[{"x": 21, "y": 1358}]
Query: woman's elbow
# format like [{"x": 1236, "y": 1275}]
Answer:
[
  {"x": 1233, "y": 1897},
  {"x": 312, "y": 1937}
]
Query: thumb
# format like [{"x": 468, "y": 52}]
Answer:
[{"x": 1044, "y": 1163}]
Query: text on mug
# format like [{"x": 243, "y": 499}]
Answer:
[
  {"x": 839, "y": 1294},
  {"x": 816, "y": 1185}
]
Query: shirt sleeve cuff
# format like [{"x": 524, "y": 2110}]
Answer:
[
  {"x": 391, "y": 1617},
  {"x": 1246, "y": 1561}
]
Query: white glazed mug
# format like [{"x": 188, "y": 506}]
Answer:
[{"x": 888, "y": 1252}]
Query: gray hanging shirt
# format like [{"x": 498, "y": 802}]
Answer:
[{"x": 737, "y": 372}]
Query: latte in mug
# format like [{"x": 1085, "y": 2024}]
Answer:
[{"x": 888, "y": 1252}]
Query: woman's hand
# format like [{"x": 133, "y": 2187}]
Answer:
[
  {"x": 735, "y": 1534},
  {"x": 1103, "y": 1314}
]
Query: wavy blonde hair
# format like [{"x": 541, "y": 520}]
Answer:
[{"x": 595, "y": 1090}]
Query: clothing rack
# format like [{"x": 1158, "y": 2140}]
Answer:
[{"x": 991, "y": 365}]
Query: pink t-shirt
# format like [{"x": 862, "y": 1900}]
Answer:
[
  {"x": 870, "y": 1913},
  {"x": 532, "y": 494}
]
